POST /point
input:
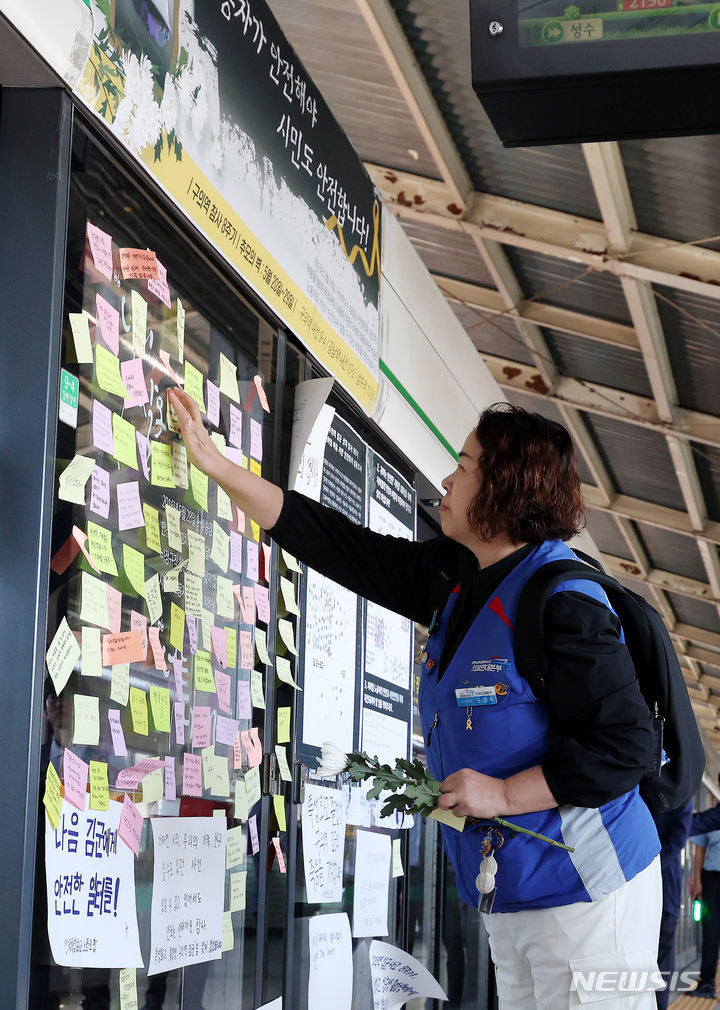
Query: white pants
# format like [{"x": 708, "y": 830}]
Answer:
[{"x": 536, "y": 952}]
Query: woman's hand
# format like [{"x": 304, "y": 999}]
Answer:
[
  {"x": 471, "y": 794},
  {"x": 201, "y": 449}
]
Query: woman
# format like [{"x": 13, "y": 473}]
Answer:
[{"x": 567, "y": 767}]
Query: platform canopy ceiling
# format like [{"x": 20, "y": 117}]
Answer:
[{"x": 587, "y": 276}]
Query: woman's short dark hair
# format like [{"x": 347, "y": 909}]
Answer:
[{"x": 530, "y": 485}]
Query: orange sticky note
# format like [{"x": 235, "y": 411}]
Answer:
[
  {"x": 140, "y": 263},
  {"x": 127, "y": 647}
]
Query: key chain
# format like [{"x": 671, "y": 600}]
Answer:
[
  {"x": 485, "y": 880},
  {"x": 468, "y": 724}
]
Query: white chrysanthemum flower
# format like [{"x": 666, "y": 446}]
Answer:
[
  {"x": 131, "y": 71},
  {"x": 217, "y": 154},
  {"x": 199, "y": 114},
  {"x": 145, "y": 126},
  {"x": 169, "y": 105},
  {"x": 333, "y": 761},
  {"x": 137, "y": 120}
]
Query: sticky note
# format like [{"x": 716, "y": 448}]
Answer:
[
  {"x": 252, "y": 786},
  {"x": 107, "y": 372},
  {"x": 202, "y": 670},
  {"x": 180, "y": 329},
  {"x": 279, "y": 808},
  {"x": 75, "y": 771},
  {"x": 262, "y": 602},
  {"x": 171, "y": 579},
  {"x": 116, "y": 731},
  {"x": 235, "y": 847},
  {"x": 152, "y": 528},
  {"x": 91, "y": 663},
  {"x": 224, "y": 600},
  {"x": 220, "y": 549},
  {"x": 236, "y": 549},
  {"x": 291, "y": 563},
  {"x": 261, "y": 394},
  {"x": 101, "y": 250},
  {"x": 252, "y": 561},
  {"x": 138, "y": 264},
  {"x": 172, "y": 518},
  {"x": 179, "y": 720},
  {"x": 161, "y": 472},
  {"x": 219, "y": 645},
  {"x": 100, "y": 492},
  {"x": 134, "y": 568},
  {"x": 153, "y": 598},
  {"x": 125, "y": 450},
  {"x": 256, "y": 689},
  {"x": 160, "y": 287},
  {"x": 222, "y": 688},
  {"x": 283, "y": 766},
  {"x": 190, "y": 620},
  {"x": 192, "y": 775},
  {"x": 231, "y": 648},
  {"x": 225, "y": 730},
  {"x": 208, "y": 763},
  {"x": 114, "y": 605},
  {"x": 177, "y": 627},
  {"x": 201, "y": 726},
  {"x": 108, "y": 323},
  {"x": 120, "y": 684},
  {"x": 287, "y": 634},
  {"x": 153, "y": 786},
  {"x": 99, "y": 789},
  {"x": 133, "y": 379},
  {"x": 238, "y": 890},
  {"x": 246, "y": 599},
  {"x": 180, "y": 464},
  {"x": 127, "y": 986},
  {"x": 86, "y": 720},
  {"x": 143, "y": 449},
  {"x": 130, "y": 513},
  {"x": 283, "y": 725},
  {"x": 397, "y": 866},
  {"x": 199, "y": 487},
  {"x": 284, "y": 672},
  {"x": 220, "y": 781},
  {"x": 449, "y": 818},
  {"x": 196, "y": 553},
  {"x": 62, "y": 655},
  {"x": 254, "y": 840},
  {"x": 235, "y": 433},
  {"x": 160, "y": 707},
  {"x": 206, "y": 624},
  {"x": 194, "y": 385},
  {"x": 224, "y": 505},
  {"x": 138, "y": 622},
  {"x": 213, "y": 403},
  {"x": 261, "y": 646},
  {"x": 169, "y": 775},
  {"x": 256, "y": 448},
  {"x": 228, "y": 935},
  {"x": 130, "y": 827},
  {"x": 193, "y": 595},
  {"x": 52, "y": 798},
  {"x": 124, "y": 647},
  {"x": 287, "y": 590},
  {"x": 80, "y": 328},
  {"x": 94, "y": 607},
  {"x": 138, "y": 308},
  {"x": 228, "y": 379},
  {"x": 99, "y": 545},
  {"x": 139, "y": 711},
  {"x": 102, "y": 430},
  {"x": 243, "y": 704}
]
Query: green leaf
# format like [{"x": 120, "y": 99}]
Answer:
[{"x": 158, "y": 149}]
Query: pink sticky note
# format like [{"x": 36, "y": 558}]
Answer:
[
  {"x": 177, "y": 674},
  {"x": 75, "y": 774},
  {"x": 239, "y": 521},
  {"x": 134, "y": 381},
  {"x": 261, "y": 393},
  {"x": 179, "y": 716},
  {"x": 247, "y": 652},
  {"x": 252, "y": 560},
  {"x": 114, "y": 602},
  {"x": 226, "y": 730},
  {"x": 108, "y": 319},
  {"x": 251, "y": 746},
  {"x": 192, "y": 775},
  {"x": 248, "y": 605},
  {"x": 279, "y": 853},
  {"x": 236, "y": 543},
  {"x": 80, "y": 539},
  {"x": 262, "y": 602},
  {"x": 254, "y": 840},
  {"x": 100, "y": 492},
  {"x": 192, "y": 633},
  {"x": 235, "y": 433},
  {"x": 223, "y": 684},
  {"x": 101, "y": 249},
  {"x": 143, "y": 451},
  {"x": 219, "y": 644},
  {"x": 234, "y": 455},
  {"x": 213, "y": 403},
  {"x": 255, "y": 439},
  {"x": 130, "y": 513},
  {"x": 157, "y": 649},
  {"x": 165, "y": 359},
  {"x": 243, "y": 709},
  {"x": 130, "y": 827},
  {"x": 170, "y": 787},
  {"x": 200, "y": 726},
  {"x": 118, "y": 737},
  {"x": 102, "y": 432},
  {"x": 160, "y": 287},
  {"x": 138, "y": 622},
  {"x": 237, "y": 753}
]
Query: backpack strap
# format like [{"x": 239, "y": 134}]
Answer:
[{"x": 529, "y": 634}]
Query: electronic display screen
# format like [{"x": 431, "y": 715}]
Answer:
[{"x": 551, "y": 22}]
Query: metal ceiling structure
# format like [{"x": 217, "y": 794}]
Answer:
[{"x": 587, "y": 276}]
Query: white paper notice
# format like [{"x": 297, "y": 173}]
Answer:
[
  {"x": 331, "y": 966},
  {"x": 310, "y": 398},
  {"x": 323, "y": 827},
  {"x": 92, "y": 921},
  {"x": 372, "y": 884},
  {"x": 186, "y": 917},
  {"x": 397, "y": 977}
]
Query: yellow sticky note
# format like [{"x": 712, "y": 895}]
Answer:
[
  {"x": 220, "y": 548},
  {"x": 161, "y": 470},
  {"x": 283, "y": 766},
  {"x": 138, "y": 307},
  {"x": 283, "y": 725},
  {"x": 172, "y": 518},
  {"x": 204, "y": 680},
  {"x": 261, "y": 646},
  {"x": 238, "y": 881},
  {"x": 228, "y": 935},
  {"x": 224, "y": 505},
  {"x": 231, "y": 648},
  {"x": 91, "y": 652},
  {"x": 194, "y": 385},
  {"x": 177, "y": 627},
  {"x": 180, "y": 464},
  {"x": 279, "y": 806},
  {"x": 99, "y": 547},
  {"x": 152, "y": 528},
  {"x": 220, "y": 784},
  {"x": 284, "y": 672},
  {"x": 62, "y": 655},
  {"x": 256, "y": 467},
  {"x": 208, "y": 765},
  {"x": 206, "y": 623},
  {"x": 94, "y": 607},
  {"x": 99, "y": 789},
  {"x": 134, "y": 565},
  {"x": 288, "y": 594},
  {"x": 254, "y": 530},
  {"x": 287, "y": 634},
  {"x": 290, "y": 562},
  {"x": 127, "y": 984},
  {"x": 120, "y": 683},
  {"x": 196, "y": 553},
  {"x": 73, "y": 479},
  {"x": 397, "y": 866},
  {"x": 79, "y": 324},
  {"x": 228, "y": 379},
  {"x": 153, "y": 598},
  {"x": 160, "y": 707},
  {"x": 193, "y": 595},
  {"x": 235, "y": 847},
  {"x": 153, "y": 786},
  {"x": 256, "y": 689},
  {"x": 53, "y": 795},
  {"x": 139, "y": 711},
  {"x": 241, "y": 812},
  {"x": 225, "y": 601},
  {"x": 107, "y": 372},
  {"x": 449, "y": 818},
  {"x": 86, "y": 720},
  {"x": 199, "y": 486},
  {"x": 125, "y": 444}
]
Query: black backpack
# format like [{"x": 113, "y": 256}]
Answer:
[{"x": 664, "y": 786}]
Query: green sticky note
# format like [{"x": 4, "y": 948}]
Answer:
[
  {"x": 134, "y": 565},
  {"x": 199, "y": 486},
  {"x": 99, "y": 547},
  {"x": 177, "y": 627},
  {"x": 139, "y": 711},
  {"x": 99, "y": 789},
  {"x": 160, "y": 707},
  {"x": 125, "y": 444},
  {"x": 86, "y": 720},
  {"x": 283, "y": 725},
  {"x": 194, "y": 385},
  {"x": 204, "y": 680},
  {"x": 161, "y": 471},
  {"x": 225, "y": 601},
  {"x": 152, "y": 528},
  {"x": 107, "y": 372}
]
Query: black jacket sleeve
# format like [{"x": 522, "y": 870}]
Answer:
[
  {"x": 410, "y": 578},
  {"x": 600, "y": 738}
]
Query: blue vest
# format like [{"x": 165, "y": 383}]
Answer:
[{"x": 508, "y": 734}]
